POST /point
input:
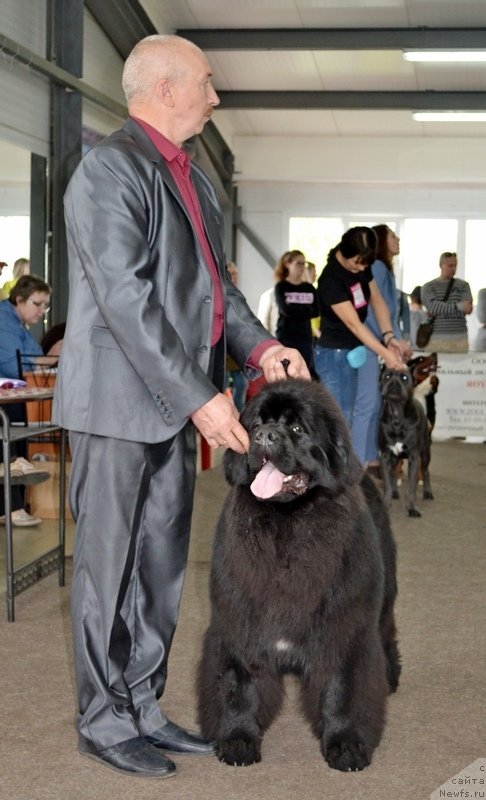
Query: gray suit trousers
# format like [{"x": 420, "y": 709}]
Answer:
[{"x": 132, "y": 503}]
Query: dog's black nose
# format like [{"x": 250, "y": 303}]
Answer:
[{"x": 266, "y": 436}]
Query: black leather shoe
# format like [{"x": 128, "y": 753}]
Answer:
[
  {"x": 132, "y": 757},
  {"x": 177, "y": 740}
]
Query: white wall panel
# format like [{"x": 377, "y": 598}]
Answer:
[
  {"x": 100, "y": 120},
  {"x": 406, "y": 160},
  {"x": 102, "y": 64},
  {"x": 256, "y": 276},
  {"x": 24, "y": 96},
  {"x": 24, "y": 21},
  {"x": 24, "y": 107}
]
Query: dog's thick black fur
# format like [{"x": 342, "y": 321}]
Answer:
[
  {"x": 403, "y": 433},
  {"x": 303, "y": 582}
]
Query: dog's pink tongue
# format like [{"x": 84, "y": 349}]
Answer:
[{"x": 268, "y": 481}]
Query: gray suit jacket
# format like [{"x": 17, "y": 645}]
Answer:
[{"x": 135, "y": 356}]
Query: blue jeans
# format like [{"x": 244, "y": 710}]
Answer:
[
  {"x": 338, "y": 377},
  {"x": 366, "y": 416}
]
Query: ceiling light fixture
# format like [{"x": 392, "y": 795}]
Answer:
[
  {"x": 445, "y": 55},
  {"x": 449, "y": 116}
]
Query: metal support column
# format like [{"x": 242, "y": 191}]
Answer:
[{"x": 66, "y": 50}]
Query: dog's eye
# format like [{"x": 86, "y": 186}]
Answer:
[
  {"x": 296, "y": 429},
  {"x": 404, "y": 378}
]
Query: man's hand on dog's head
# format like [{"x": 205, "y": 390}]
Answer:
[
  {"x": 218, "y": 421},
  {"x": 279, "y": 362}
]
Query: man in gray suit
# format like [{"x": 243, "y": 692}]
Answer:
[{"x": 151, "y": 312}]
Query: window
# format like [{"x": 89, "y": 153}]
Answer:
[
  {"x": 474, "y": 269},
  {"x": 422, "y": 242},
  {"x": 15, "y": 242},
  {"x": 315, "y": 236}
]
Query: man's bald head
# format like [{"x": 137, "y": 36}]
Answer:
[{"x": 152, "y": 59}]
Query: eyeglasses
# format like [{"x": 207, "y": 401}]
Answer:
[{"x": 40, "y": 304}]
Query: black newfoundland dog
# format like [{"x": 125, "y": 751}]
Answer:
[{"x": 302, "y": 582}]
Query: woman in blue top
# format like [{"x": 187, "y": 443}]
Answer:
[
  {"x": 368, "y": 396},
  {"x": 346, "y": 290},
  {"x": 26, "y": 305}
]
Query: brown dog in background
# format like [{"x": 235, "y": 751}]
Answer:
[{"x": 425, "y": 383}]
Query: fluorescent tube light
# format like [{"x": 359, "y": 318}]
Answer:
[
  {"x": 449, "y": 116},
  {"x": 445, "y": 55}
]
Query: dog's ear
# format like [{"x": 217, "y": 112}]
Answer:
[
  {"x": 347, "y": 465},
  {"x": 235, "y": 468},
  {"x": 334, "y": 440},
  {"x": 355, "y": 468},
  {"x": 344, "y": 467}
]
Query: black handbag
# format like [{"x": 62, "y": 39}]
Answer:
[
  {"x": 425, "y": 329},
  {"x": 424, "y": 332}
]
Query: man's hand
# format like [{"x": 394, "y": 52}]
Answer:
[
  {"x": 218, "y": 421},
  {"x": 274, "y": 370}
]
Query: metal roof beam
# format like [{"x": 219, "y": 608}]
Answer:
[
  {"x": 58, "y": 75},
  {"x": 418, "y": 101},
  {"x": 337, "y": 38},
  {"x": 124, "y": 22}
]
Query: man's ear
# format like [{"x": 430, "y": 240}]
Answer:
[{"x": 164, "y": 92}]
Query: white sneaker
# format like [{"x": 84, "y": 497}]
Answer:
[
  {"x": 15, "y": 472},
  {"x": 23, "y": 472},
  {"x": 21, "y": 519}
]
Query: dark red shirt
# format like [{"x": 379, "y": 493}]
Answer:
[{"x": 179, "y": 165}]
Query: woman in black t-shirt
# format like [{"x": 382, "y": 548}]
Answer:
[
  {"x": 345, "y": 290},
  {"x": 297, "y": 304}
]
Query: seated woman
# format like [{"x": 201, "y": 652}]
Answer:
[{"x": 27, "y": 303}]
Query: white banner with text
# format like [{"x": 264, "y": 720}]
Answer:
[{"x": 461, "y": 397}]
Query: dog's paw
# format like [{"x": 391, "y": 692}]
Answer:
[
  {"x": 396, "y": 494},
  {"x": 428, "y": 495},
  {"x": 347, "y": 755},
  {"x": 413, "y": 512},
  {"x": 239, "y": 752}
]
